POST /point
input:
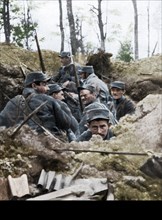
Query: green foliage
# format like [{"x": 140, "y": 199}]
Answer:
[
  {"x": 22, "y": 32},
  {"x": 125, "y": 52},
  {"x": 21, "y": 26}
]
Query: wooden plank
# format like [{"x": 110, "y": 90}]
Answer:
[{"x": 19, "y": 186}]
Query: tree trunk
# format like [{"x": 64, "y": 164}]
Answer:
[
  {"x": 100, "y": 24},
  {"x": 6, "y": 20},
  {"x": 61, "y": 26},
  {"x": 135, "y": 29},
  {"x": 98, "y": 13},
  {"x": 73, "y": 39}
]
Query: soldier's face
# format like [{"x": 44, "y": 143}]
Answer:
[
  {"x": 117, "y": 93},
  {"x": 87, "y": 97},
  {"x": 59, "y": 95},
  {"x": 100, "y": 127},
  {"x": 41, "y": 88},
  {"x": 65, "y": 60},
  {"x": 82, "y": 76}
]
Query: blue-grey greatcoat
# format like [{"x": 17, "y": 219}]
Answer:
[
  {"x": 123, "y": 106},
  {"x": 12, "y": 114},
  {"x": 51, "y": 115},
  {"x": 74, "y": 123}
]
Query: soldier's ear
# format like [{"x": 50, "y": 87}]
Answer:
[
  {"x": 34, "y": 85},
  {"x": 123, "y": 91}
]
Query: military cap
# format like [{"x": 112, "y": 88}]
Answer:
[
  {"x": 88, "y": 87},
  {"x": 86, "y": 69},
  {"x": 99, "y": 113},
  {"x": 36, "y": 77},
  {"x": 54, "y": 88},
  {"x": 118, "y": 84},
  {"x": 65, "y": 54}
]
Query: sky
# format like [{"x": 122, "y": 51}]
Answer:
[{"x": 118, "y": 13}]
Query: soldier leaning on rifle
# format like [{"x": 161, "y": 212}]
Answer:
[
  {"x": 122, "y": 105},
  {"x": 66, "y": 73},
  {"x": 56, "y": 91},
  {"x": 98, "y": 123},
  {"x": 50, "y": 116},
  {"x": 87, "y": 76},
  {"x": 90, "y": 101}
]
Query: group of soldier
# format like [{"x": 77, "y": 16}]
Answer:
[{"x": 74, "y": 102}]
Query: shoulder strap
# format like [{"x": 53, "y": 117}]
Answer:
[{"x": 28, "y": 110}]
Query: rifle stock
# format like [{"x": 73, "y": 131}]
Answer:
[{"x": 77, "y": 85}]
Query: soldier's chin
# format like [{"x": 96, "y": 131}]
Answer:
[{"x": 103, "y": 136}]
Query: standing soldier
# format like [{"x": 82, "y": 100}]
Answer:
[{"x": 67, "y": 72}]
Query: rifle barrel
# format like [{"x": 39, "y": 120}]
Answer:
[
  {"x": 102, "y": 152},
  {"x": 40, "y": 54}
]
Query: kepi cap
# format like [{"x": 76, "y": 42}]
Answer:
[
  {"x": 36, "y": 77},
  {"x": 97, "y": 114},
  {"x": 65, "y": 54},
  {"x": 88, "y": 87},
  {"x": 118, "y": 84},
  {"x": 54, "y": 88},
  {"x": 86, "y": 69}
]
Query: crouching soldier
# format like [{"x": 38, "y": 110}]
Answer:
[
  {"x": 98, "y": 123},
  {"x": 57, "y": 92},
  {"x": 51, "y": 116},
  {"x": 122, "y": 105},
  {"x": 12, "y": 114}
]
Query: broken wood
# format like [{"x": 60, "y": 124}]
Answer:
[{"x": 19, "y": 186}]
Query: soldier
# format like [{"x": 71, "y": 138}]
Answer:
[
  {"x": 63, "y": 94},
  {"x": 89, "y": 99},
  {"x": 57, "y": 92},
  {"x": 122, "y": 105},
  {"x": 66, "y": 73},
  {"x": 98, "y": 123},
  {"x": 12, "y": 114},
  {"x": 51, "y": 116},
  {"x": 87, "y": 76}
]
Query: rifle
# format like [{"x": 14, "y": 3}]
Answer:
[
  {"x": 154, "y": 48},
  {"x": 47, "y": 132},
  {"x": 102, "y": 152},
  {"x": 26, "y": 119},
  {"x": 71, "y": 98},
  {"x": 77, "y": 85},
  {"x": 40, "y": 53}
]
